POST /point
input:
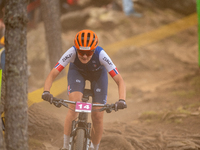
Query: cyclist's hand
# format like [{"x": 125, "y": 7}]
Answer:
[
  {"x": 121, "y": 104},
  {"x": 47, "y": 96}
]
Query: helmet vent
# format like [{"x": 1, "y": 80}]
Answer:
[
  {"x": 96, "y": 43},
  {"x": 88, "y": 39},
  {"x": 77, "y": 40},
  {"x": 82, "y": 39},
  {"x": 93, "y": 39}
]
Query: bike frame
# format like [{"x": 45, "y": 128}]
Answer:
[{"x": 81, "y": 124}]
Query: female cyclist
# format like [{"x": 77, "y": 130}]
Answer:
[{"x": 88, "y": 61}]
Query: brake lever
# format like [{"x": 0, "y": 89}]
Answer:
[
  {"x": 109, "y": 108},
  {"x": 57, "y": 104},
  {"x": 63, "y": 103}
]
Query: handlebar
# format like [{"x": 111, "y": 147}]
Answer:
[{"x": 108, "y": 107}]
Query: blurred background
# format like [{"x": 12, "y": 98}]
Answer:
[{"x": 155, "y": 48}]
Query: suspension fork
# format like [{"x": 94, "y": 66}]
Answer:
[
  {"x": 83, "y": 117},
  {"x": 81, "y": 123}
]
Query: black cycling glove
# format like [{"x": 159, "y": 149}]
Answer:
[
  {"x": 47, "y": 96},
  {"x": 121, "y": 104}
]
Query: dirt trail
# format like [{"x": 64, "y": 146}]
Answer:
[{"x": 163, "y": 86}]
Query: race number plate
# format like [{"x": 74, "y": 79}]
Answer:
[{"x": 83, "y": 107}]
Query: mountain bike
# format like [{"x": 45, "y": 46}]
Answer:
[{"x": 80, "y": 131}]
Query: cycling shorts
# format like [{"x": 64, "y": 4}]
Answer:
[{"x": 98, "y": 80}]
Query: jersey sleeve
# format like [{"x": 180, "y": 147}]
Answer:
[
  {"x": 107, "y": 63},
  {"x": 67, "y": 57}
]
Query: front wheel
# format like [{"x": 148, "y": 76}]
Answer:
[{"x": 80, "y": 143}]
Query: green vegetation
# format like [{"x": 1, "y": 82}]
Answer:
[
  {"x": 174, "y": 116},
  {"x": 185, "y": 94}
]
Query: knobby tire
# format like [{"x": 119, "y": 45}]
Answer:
[{"x": 80, "y": 140}]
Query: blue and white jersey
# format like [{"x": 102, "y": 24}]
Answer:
[{"x": 99, "y": 59}]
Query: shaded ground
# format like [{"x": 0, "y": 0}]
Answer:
[{"x": 163, "y": 84}]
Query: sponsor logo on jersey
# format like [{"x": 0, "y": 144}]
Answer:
[
  {"x": 69, "y": 89},
  {"x": 66, "y": 57},
  {"x": 94, "y": 64},
  {"x": 78, "y": 81},
  {"x": 107, "y": 60},
  {"x": 105, "y": 100},
  {"x": 98, "y": 90}
]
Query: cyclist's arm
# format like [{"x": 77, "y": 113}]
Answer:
[
  {"x": 111, "y": 68},
  {"x": 121, "y": 86},
  {"x": 66, "y": 58},
  {"x": 50, "y": 78}
]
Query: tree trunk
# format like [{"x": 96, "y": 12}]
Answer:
[
  {"x": 2, "y": 103},
  {"x": 16, "y": 108},
  {"x": 51, "y": 17},
  {"x": 1, "y": 138}
]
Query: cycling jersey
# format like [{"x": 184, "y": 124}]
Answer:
[
  {"x": 95, "y": 71},
  {"x": 98, "y": 60}
]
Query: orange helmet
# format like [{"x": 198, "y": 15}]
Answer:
[{"x": 86, "y": 40}]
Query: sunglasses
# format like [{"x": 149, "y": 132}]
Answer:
[{"x": 85, "y": 52}]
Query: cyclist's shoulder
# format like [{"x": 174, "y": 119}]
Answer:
[
  {"x": 99, "y": 49},
  {"x": 71, "y": 50},
  {"x": 68, "y": 56}
]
